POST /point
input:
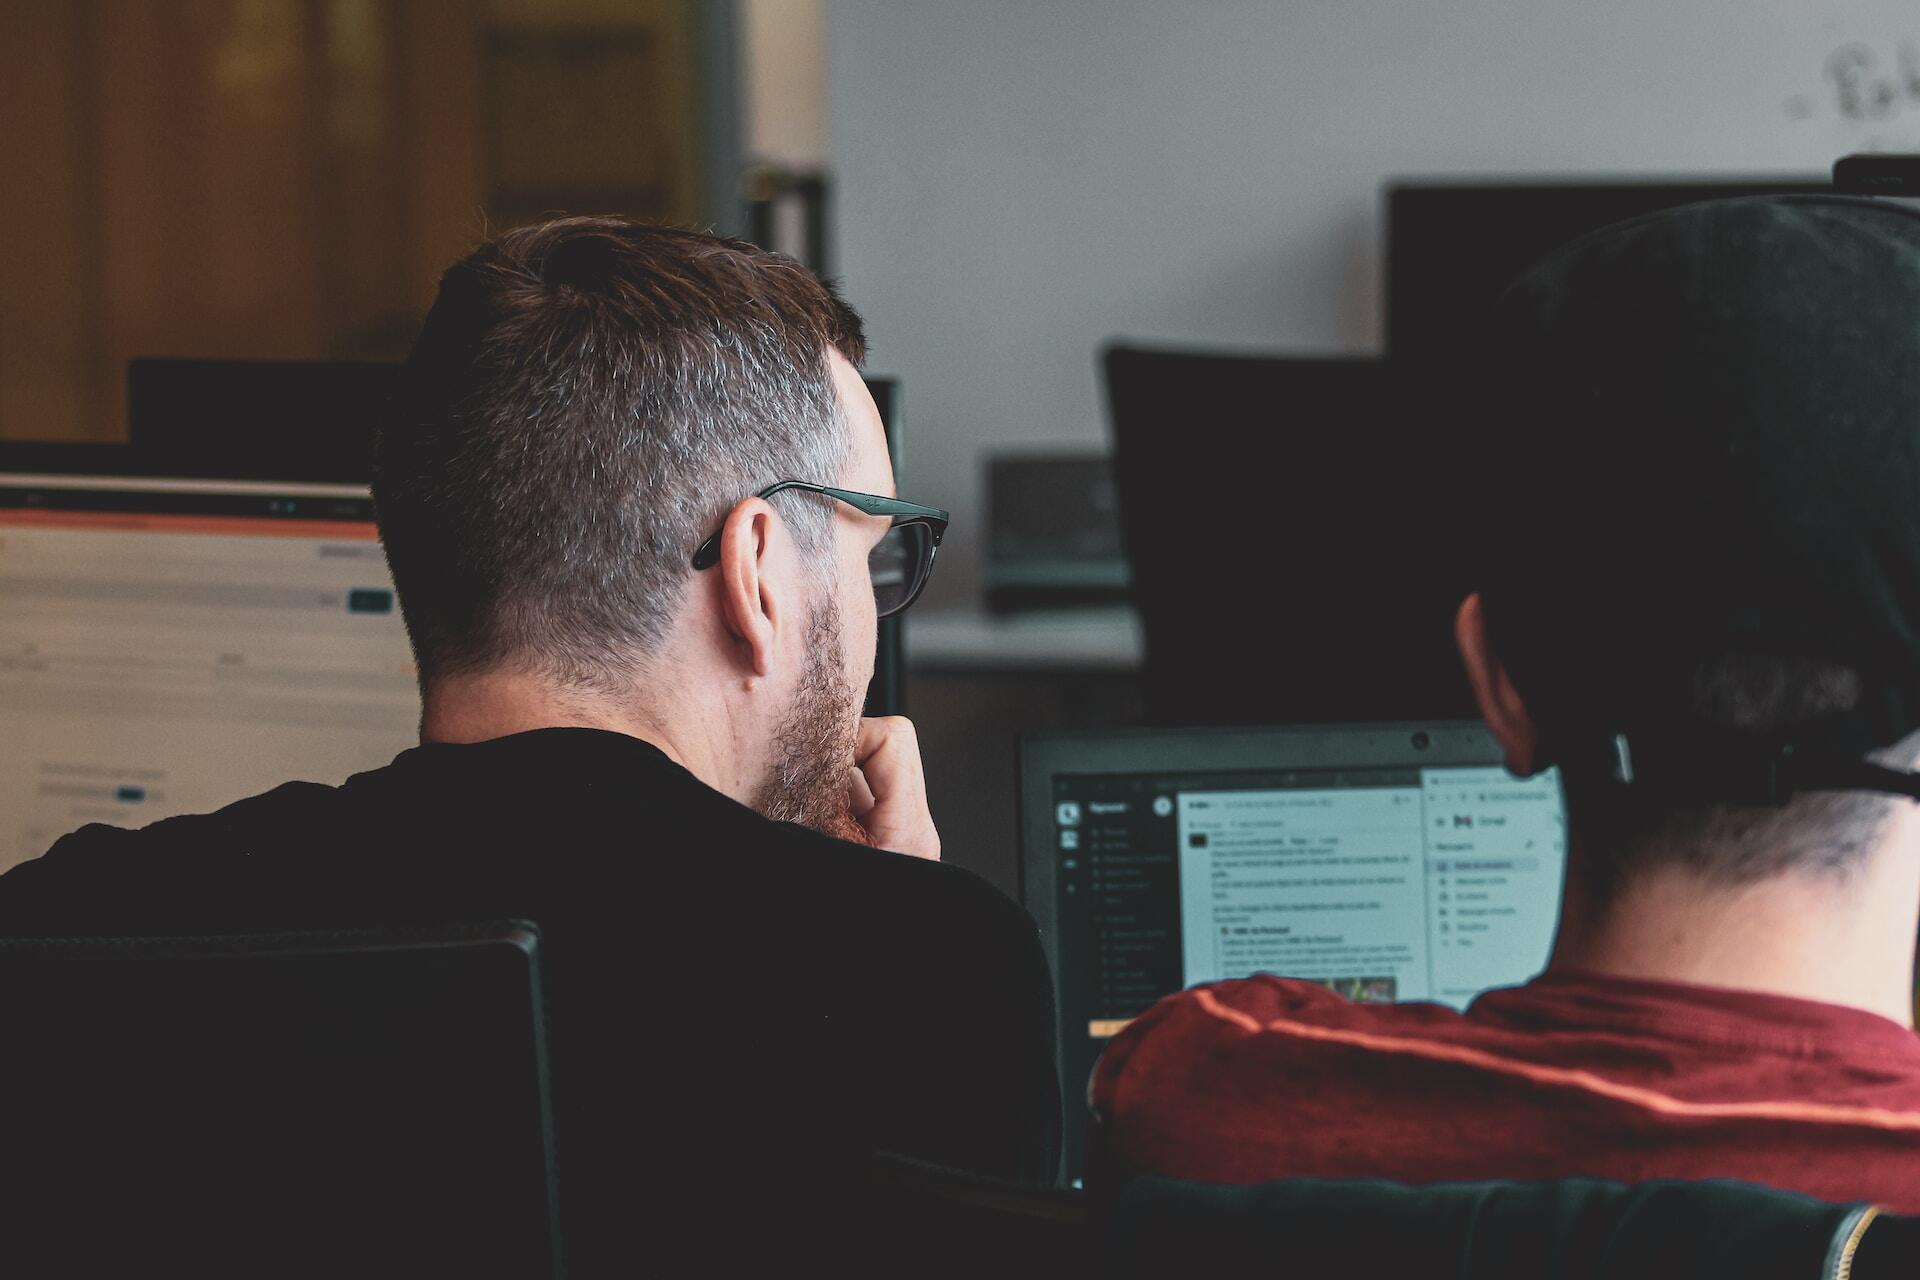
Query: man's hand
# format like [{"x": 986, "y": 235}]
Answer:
[{"x": 890, "y": 788}]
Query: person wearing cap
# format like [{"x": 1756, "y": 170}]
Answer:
[{"x": 1702, "y": 604}]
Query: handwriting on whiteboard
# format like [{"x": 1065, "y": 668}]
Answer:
[
  {"x": 1872, "y": 85},
  {"x": 1869, "y": 97}
]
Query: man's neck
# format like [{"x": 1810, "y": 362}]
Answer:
[
  {"x": 1842, "y": 939},
  {"x": 480, "y": 708}
]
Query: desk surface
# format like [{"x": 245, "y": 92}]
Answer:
[{"x": 1103, "y": 638}]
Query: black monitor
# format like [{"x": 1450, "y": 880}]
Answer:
[
  {"x": 309, "y": 420},
  {"x": 1452, "y": 246},
  {"x": 1297, "y": 550}
]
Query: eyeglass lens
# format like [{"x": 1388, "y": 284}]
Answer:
[{"x": 898, "y": 566}]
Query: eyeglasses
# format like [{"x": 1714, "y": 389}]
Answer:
[{"x": 899, "y": 564}]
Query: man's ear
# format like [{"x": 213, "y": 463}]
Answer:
[
  {"x": 1501, "y": 705},
  {"x": 750, "y": 603}
]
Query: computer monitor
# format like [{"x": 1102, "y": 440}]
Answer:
[
  {"x": 1388, "y": 862},
  {"x": 1453, "y": 247},
  {"x": 170, "y": 645},
  {"x": 1300, "y": 538},
  {"x": 310, "y": 420}
]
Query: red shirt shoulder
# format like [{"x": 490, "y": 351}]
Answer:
[
  {"x": 1165, "y": 1049},
  {"x": 1568, "y": 1075}
]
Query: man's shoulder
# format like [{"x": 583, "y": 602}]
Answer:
[
  {"x": 951, "y": 899},
  {"x": 1262, "y": 1017},
  {"x": 1262, "y": 1004},
  {"x": 1266, "y": 996},
  {"x": 578, "y": 815},
  {"x": 239, "y": 827},
  {"x": 100, "y": 872}
]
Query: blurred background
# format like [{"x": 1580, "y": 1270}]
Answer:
[{"x": 1005, "y": 188}]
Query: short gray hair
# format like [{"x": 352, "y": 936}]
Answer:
[{"x": 585, "y": 402}]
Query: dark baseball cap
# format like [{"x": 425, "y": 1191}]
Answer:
[{"x": 1705, "y": 443}]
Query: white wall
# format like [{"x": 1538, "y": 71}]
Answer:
[{"x": 1020, "y": 179}]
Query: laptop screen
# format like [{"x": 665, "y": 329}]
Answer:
[
  {"x": 1353, "y": 858},
  {"x": 169, "y": 646}
]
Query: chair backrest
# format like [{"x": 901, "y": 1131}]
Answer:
[
  {"x": 278, "y": 1103},
  {"x": 923, "y": 1219},
  {"x": 1576, "y": 1229},
  {"x": 1298, "y": 538}
]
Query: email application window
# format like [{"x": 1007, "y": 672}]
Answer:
[
  {"x": 1433, "y": 891},
  {"x": 1380, "y": 883},
  {"x": 1307, "y": 883},
  {"x": 153, "y": 664}
]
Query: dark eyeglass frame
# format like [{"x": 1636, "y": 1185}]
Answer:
[{"x": 935, "y": 520}]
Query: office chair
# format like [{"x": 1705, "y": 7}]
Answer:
[
  {"x": 931, "y": 1220},
  {"x": 1299, "y": 536},
  {"x": 277, "y": 1104},
  {"x": 925, "y": 1217}
]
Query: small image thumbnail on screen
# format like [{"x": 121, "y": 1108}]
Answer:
[{"x": 1362, "y": 990}]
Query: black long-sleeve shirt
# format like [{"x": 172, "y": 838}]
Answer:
[{"x": 733, "y": 1000}]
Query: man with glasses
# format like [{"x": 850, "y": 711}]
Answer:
[{"x": 639, "y": 508}]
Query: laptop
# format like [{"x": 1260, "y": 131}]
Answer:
[
  {"x": 1387, "y": 862},
  {"x": 171, "y": 644}
]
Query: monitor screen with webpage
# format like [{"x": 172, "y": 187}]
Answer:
[
  {"x": 172, "y": 645},
  {"x": 1385, "y": 862}
]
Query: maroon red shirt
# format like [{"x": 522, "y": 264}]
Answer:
[{"x": 1568, "y": 1075}]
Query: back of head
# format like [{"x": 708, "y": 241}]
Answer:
[
  {"x": 586, "y": 398},
  {"x": 1710, "y": 564}
]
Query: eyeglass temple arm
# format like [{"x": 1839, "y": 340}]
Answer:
[
  {"x": 871, "y": 503},
  {"x": 708, "y": 553},
  {"x": 875, "y": 505}
]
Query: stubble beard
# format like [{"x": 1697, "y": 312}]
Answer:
[{"x": 811, "y": 780}]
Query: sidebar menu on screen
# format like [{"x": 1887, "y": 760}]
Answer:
[
  {"x": 1495, "y": 861},
  {"x": 1118, "y": 864}
]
